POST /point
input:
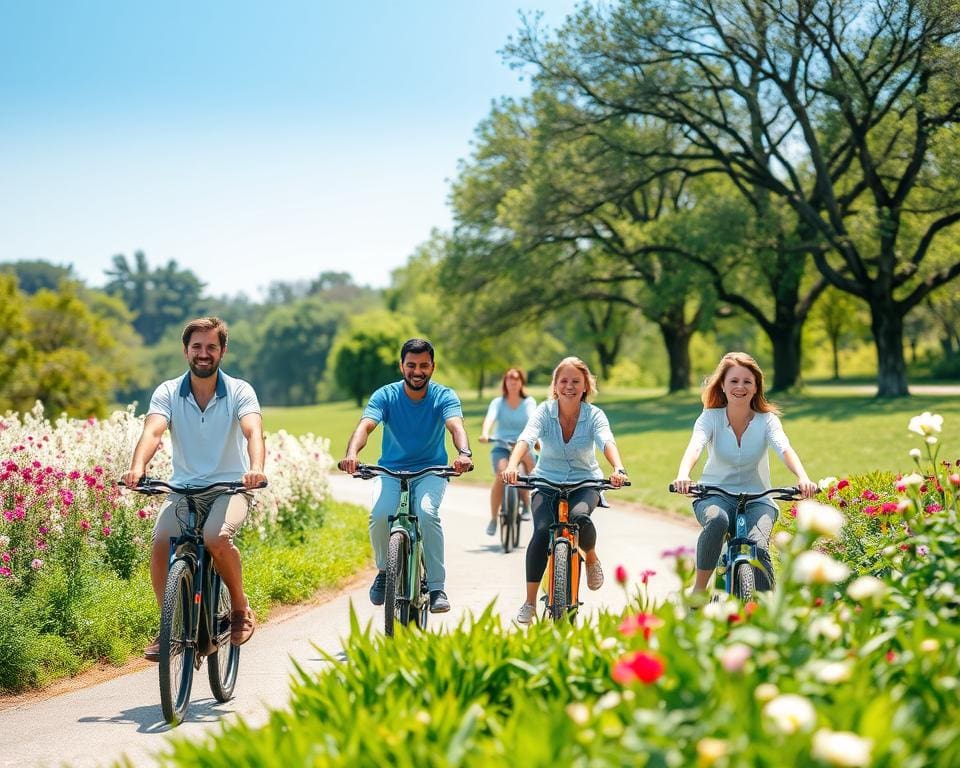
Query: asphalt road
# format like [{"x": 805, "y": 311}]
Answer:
[{"x": 96, "y": 725}]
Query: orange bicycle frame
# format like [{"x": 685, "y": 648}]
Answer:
[{"x": 563, "y": 512}]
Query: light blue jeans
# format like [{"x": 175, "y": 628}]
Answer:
[{"x": 426, "y": 493}]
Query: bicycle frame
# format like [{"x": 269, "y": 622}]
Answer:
[
  {"x": 411, "y": 596},
  {"x": 737, "y": 548},
  {"x": 564, "y": 534},
  {"x": 509, "y": 515}
]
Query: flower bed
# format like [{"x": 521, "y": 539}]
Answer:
[
  {"x": 74, "y": 546},
  {"x": 853, "y": 660}
]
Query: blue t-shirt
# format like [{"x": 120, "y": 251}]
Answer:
[{"x": 413, "y": 430}]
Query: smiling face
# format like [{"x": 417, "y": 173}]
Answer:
[
  {"x": 416, "y": 368},
  {"x": 569, "y": 384},
  {"x": 204, "y": 353},
  {"x": 739, "y": 385},
  {"x": 513, "y": 382}
]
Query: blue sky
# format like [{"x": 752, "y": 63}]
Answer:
[{"x": 250, "y": 141}]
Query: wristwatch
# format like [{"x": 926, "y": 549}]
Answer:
[{"x": 465, "y": 452}]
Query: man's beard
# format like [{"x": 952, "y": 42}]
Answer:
[
  {"x": 204, "y": 373},
  {"x": 416, "y": 387}
]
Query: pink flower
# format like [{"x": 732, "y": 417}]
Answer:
[
  {"x": 106, "y": 530},
  {"x": 141, "y": 513},
  {"x": 642, "y": 622},
  {"x": 678, "y": 552},
  {"x": 36, "y": 563},
  {"x": 869, "y": 495},
  {"x": 6, "y": 572},
  {"x": 955, "y": 479},
  {"x": 734, "y": 658},
  {"x": 645, "y": 666},
  {"x": 933, "y": 507},
  {"x": 84, "y": 525},
  {"x": 66, "y": 496},
  {"x": 871, "y": 510},
  {"x": 74, "y": 475},
  {"x": 888, "y": 507},
  {"x": 5, "y": 557},
  {"x": 620, "y": 575},
  {"x": 645, "y": 575}
]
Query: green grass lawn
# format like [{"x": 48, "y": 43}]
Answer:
[{"x": 834, "y": 432}]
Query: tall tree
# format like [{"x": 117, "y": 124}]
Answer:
[
  {"x": 161, "y": 297},
  {"x": 33, "y": 276},
  {"x": 842, "y": 110}
]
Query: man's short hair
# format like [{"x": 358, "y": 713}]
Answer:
[
  {"x": 205, "y": 324},
  {"x": 415, "y": 347}
]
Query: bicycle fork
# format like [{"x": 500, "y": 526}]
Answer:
[{"x": 563, "y": 529}]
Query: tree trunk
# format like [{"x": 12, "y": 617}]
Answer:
[
  {"x": 480, "y": 384},
  {"x": 886, "y": 322},
  {"x": 835, "y": 346},
  {"x": 677, "y": 341},
  {"x": 786, "y": 355}
]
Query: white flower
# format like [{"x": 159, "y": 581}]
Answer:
[
  {"x": 578, "y": 712},
  {"x": 841, "y": 748},
  {"x": 832, "y": 672},
  {"x": 781, "y": 540},
  {"x": 915, "y": 453},
  {"x": 721, "y": 609},
  {"x": 866, "y": 588},
  {"x": 826, "y": 482},
  {"x": 812, "y": 567},
  {"x": 930, "y": 645},
  {"x": 790, "y": 713},
  {"x": 4, "y": 542},
  {"x": 710, "y": 750},
  {"x": 930, "y": 440},
  {"x": 609, "y": 700},
  {"x": 765, "y": 692},
  {"x": 824, "y": 626},
  {"x": 821, "y": 519},
  {"x": 913, "y": 478},
  {"x": 926, "y": 423},
  {"x": 608, "y": 643}
]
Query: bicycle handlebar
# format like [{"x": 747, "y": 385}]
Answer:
[
  {"x": 152, "y": 487},
  {"x": 367, "y": 471},
  {"x": 700, "y": 490},
  {"x": 530, "y": 481}
]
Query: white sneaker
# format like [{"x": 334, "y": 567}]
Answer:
[
  {"x": 492, "y": 528},
  {"x": 525, "y": 614}
]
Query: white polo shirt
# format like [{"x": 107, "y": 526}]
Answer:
[{"x": 208, "y": 446}]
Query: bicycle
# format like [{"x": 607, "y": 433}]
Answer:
[
  {"x": 509, "y": 518},
  {"x": 562, "y": 599},
  {"x": 195, "y": 616},
  {"x": 739, "y": 563},
  {"x": 406, "y": 595}
]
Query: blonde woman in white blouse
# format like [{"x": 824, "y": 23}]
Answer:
[{"x": 737, "y": 426}]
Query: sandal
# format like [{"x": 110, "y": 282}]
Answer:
[{"x": 242, "y": 626}]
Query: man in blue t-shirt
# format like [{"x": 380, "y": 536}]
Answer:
[{"x": 414, "y": 413}]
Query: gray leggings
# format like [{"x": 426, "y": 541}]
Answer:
[{"x": 714, "y": 514}]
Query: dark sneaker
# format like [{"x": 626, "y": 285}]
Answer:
[
  {"x": 152, "y": 651},
  {"x": 438, "y": 601},
  {"x": 379, "y": 588}
]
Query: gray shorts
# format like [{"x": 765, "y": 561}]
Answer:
[{"x": 227, "y": 514}]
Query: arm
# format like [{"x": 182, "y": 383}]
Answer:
[
  {"x": 687, "y": 463},
  {"x": 153, "y": 428},
  {"x": 356, "y": 443},
  {"x": 792, "y": 460},
  {"x": 488, "y": 421},
  {"x": 461, "y": 442},
  {"x": 612, "y": 454},
  {"x": 520, "y": 450},
  {"x": 252, "y": 427}
]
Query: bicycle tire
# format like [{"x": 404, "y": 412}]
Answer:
[
  {"x": 223, "y": 664},
  {"x": 395, "y": 607},
  {"x": 506, "y": 536},
  {"x": 744, "y": 581},
  {"x": 422, "y": 613},
  {"x": 516, "y": 521},
  {"x": 561, "y": 579},
  {"x": 177, "y": 651}
]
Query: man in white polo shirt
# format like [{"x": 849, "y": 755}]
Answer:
[{"x": 217, "y": 436}]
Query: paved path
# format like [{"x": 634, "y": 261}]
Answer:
[{"x": 96, "y": 725}]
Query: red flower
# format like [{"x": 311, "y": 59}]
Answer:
[
  {"x": 891, "y": 656},
  {"x": 644, "y": 666},
  {"x": 842, "y": 484},
  {"x": 620, "y": 575},
  {"x": 889, "y": 507},
  {"x": 642, "y": 622},
  {"x": 818, "y": 602},
  {"x": 645, "y": 576}
]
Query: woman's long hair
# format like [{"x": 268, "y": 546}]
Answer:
[{"x": 713, "y": 395}]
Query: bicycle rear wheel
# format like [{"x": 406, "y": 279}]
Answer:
[
  {"x": 396, "y": 605},
  {"x": 516, "y": 519},
  {"x": 506, "y": 536},
  {"x": 177, "y": 650},
  {"x": 744, "y": 581},
  {"x": 222, "y": 665},
  {"x": 422, "y": 610},
  {"x": 561, "y": 579}
]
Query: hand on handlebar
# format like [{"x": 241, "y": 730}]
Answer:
[
  {"x": 463, "y": 464},
  {"x": 483, "y": 439},
  {"x": 348, "y": 464},
  {"x": 618, "y": 480},
  {"x": 681, "y": 485},
  {"x": 509, "y": 476},
  {"x": 808, "y": 488},
  {"x": 254, "y": 479}
]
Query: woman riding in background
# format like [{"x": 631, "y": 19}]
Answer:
[
  {"x": 510, "y": 413},
  {"x": 737, "y": 426},
  {"x": 569, "y": 430}
]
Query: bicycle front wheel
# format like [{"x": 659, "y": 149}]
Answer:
[
  {"x": 222, "y": 665},
  {"x": 396, "y": 605},
  {"x": 561, "y": 579},
  {"x": 744, "y": 582},
  {"x": 177, "y": 650},
  {"x": 422, "y": 610},
  {"x": 508, "y": 516},
  {"x": 515, "y": 528}
]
